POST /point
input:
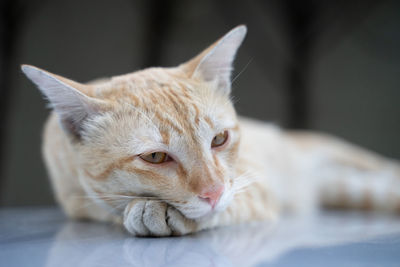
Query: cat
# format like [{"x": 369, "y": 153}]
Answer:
[{"x": 162, "y": 152}]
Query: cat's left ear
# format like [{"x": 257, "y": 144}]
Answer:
[
  {"x": 215, "y": 63},
  {"x": 69, "y": 99}
]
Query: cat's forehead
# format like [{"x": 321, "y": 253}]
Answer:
[
  {"x": 167, "y": 92},
  {"x": 142, "y": 84},
  {"x": 152, "y": 78},
  {"x": 174, "y": 104}
]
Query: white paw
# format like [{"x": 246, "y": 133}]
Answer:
[
  {"x": 155, "y": 218},
  {"x": 179, "y": 224}
]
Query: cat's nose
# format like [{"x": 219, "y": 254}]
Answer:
[{"x": 212, "y": 195}]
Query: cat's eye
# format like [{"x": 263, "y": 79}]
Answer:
[
  {"x": 156, "y": 157},
  {"x": 219, "y": 139}
]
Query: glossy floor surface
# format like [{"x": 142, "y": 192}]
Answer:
[{"x": 44, "y": 237}]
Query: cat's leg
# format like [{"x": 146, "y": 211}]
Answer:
[
  {"x": 352, "y": 177},
  {"x": 144, "y": 217},
  {"x": 347, "y": 184}
]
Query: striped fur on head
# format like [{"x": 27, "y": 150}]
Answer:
[{"x": 174, "y": 110}]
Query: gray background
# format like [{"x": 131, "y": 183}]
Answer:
[{"x": 353, "y": 68}]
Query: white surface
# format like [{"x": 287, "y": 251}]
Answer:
[{"x": 44, "y": 237}]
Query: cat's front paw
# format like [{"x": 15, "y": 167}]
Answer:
[{"x": 155, "y": 218}]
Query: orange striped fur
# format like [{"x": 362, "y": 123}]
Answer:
[{"x": 96, "y": 136}]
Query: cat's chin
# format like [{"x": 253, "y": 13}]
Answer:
[
  {"x": 195, "y": 215},
  {"x": 203, "y": 214},
  {"x": 199, "y": 213}
]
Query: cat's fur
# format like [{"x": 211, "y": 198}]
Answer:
[{"x": 95, "y": 136}]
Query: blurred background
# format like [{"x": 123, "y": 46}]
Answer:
[{"x": 331, "y": 66}]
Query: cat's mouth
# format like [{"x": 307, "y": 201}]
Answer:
[{"x": 202, "y": 210}]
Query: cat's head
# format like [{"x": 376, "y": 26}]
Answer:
[{"x": 167, "y": 133}]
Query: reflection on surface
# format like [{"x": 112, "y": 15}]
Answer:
[{"x": 90, "y": 244}]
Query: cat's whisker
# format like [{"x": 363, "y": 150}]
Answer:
[
  {"x": 125, "y": 199},
  {"x": 240, "y": 72},
  {"x": 86, "y": 205},
  {"x": 123, "y": 196},
  {"x": 113, "y": 204},
  {"x": 99, "y": 197},
  {"x": 243, "y": 184},
  {"x": 121, "y": 207},
  {"x": 243, "y": 181}
]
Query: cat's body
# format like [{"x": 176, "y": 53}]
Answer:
[{"x": 163, "y": 152}]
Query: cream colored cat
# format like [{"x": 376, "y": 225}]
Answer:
[{"x": 162, "y": 151}]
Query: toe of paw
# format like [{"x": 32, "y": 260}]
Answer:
[
  {"x": 178, "y": 223},
  {"x": 133, "y": 219},
  {"x": 154, "y": 218}
]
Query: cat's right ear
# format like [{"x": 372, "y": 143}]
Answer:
[
  {"x": 215, "y": 62},
  {"x": 66, "y": 97}
]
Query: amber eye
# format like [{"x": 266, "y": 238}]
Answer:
[
  {"x": 219, "y": 139},
  {"x": 155, "y": 157}
]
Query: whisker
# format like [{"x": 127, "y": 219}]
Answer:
[
  {"x": 243, "y": 181},
  {"x": 240, "y": 73},
  {"x": 112, "y": 197}
]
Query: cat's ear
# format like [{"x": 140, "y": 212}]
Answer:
[
  {"x": 66, "y": 97},
  {"x": 215, "y": 63}
]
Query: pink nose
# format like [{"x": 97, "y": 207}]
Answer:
[{"x": 212, "y": 195}]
